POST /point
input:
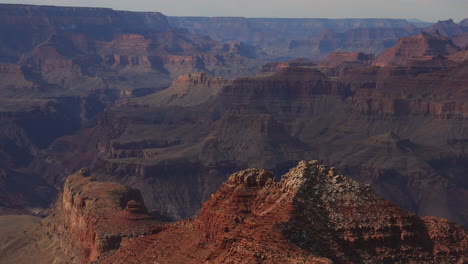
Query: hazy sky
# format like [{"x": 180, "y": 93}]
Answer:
[{"x": 429, "y": 10}]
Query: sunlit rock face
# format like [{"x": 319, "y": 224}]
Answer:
[{"x": 312, "y": 215}]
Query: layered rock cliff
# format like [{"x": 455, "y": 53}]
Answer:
[
  {"x": 290, "y": 37},
  {"x": 103, "y": 48},
  {"x": 399, "y": 128},
  {"x": 89, "y": 220},
  {"x": 313, "y": 215},
  {"x": 291, "y": 111},
  {"x": 60, "y": 66}
]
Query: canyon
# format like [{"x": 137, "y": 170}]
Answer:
[
  {"x": 395, "y": 122},
  {"x": 314, "y": 38},
  {"x": 60, "y": 66},
  {"x": 180, "y": 109},
  {"x": 312, "y": 215},
  {"x": 302, "y": 37}
]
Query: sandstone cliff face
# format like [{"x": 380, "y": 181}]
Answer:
[
  {"x": 96, "y": 216},
  {"x": 89, "y": 220}
]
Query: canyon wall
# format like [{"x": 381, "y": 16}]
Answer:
[
  {"x": 398, "y": 128},
  {"x": 89, "y": 219},
  {"x": 60, "y": 66}
]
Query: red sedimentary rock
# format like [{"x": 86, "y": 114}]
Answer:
[
  {"x": 313, "y": 215},
  {"x": 424, "y": 46}
]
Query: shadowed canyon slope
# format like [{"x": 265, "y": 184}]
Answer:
[
  {"x": 313, "y": 215},
  {"x": 399, "y": 128}
]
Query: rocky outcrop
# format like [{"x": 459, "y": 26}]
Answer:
[
  {"x": 96, "y": 216},
  {"x": 360, "y": 223},
  {"x": 424, "y": 46},
  {"x": 313, "y": 215},
  {"x": 90, "y": 219}
]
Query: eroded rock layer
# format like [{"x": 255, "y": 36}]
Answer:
[
  {"x": 313, "y": 215},
  {"x": 89, "y": 220},
  {"x": 398, "y": 128},
  {"x": 60, "y": 66},
  {"x": 424, "y": 46}
]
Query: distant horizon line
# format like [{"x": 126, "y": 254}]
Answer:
[{"x": 230, "y": 16}]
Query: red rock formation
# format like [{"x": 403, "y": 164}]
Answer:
[
  {"x": 267, "y": 121},
  {"x": 313, "y": 215},
  {"x": 90, "y": 219},
  {"x": 424, "y": 46}
]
